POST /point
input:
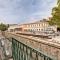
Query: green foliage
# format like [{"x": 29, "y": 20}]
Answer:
[
  {"x": 3, "y": 27},
  {"x": 55, "y": 15}
]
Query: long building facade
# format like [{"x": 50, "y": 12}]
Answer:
[{"x": 39, "y": 26}]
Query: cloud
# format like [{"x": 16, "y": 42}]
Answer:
[{"x": 20, "y": 11}]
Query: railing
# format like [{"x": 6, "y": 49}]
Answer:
[{"x": 24, "y": 52}]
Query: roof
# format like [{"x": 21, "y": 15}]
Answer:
[{"x": 44, "y": 20}]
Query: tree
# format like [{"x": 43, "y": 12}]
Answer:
[
  {"x": 3, "y": 27},
  {"x": 55, "y": 20}
]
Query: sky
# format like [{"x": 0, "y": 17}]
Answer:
[{"x": 24, "y": 11}]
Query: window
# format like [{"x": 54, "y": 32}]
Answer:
[
  {"x": 39, "y": 29},
  {"x": 39, "y": 24}
]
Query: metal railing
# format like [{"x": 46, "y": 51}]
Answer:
[{"x": 21, "y": 51}]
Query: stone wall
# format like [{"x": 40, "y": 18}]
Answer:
[{"x": 48, "y": 48}]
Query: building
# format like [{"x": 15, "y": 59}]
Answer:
[
  {"x": 38, "y": 26},
  {"x": 15, "y": 28}
]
